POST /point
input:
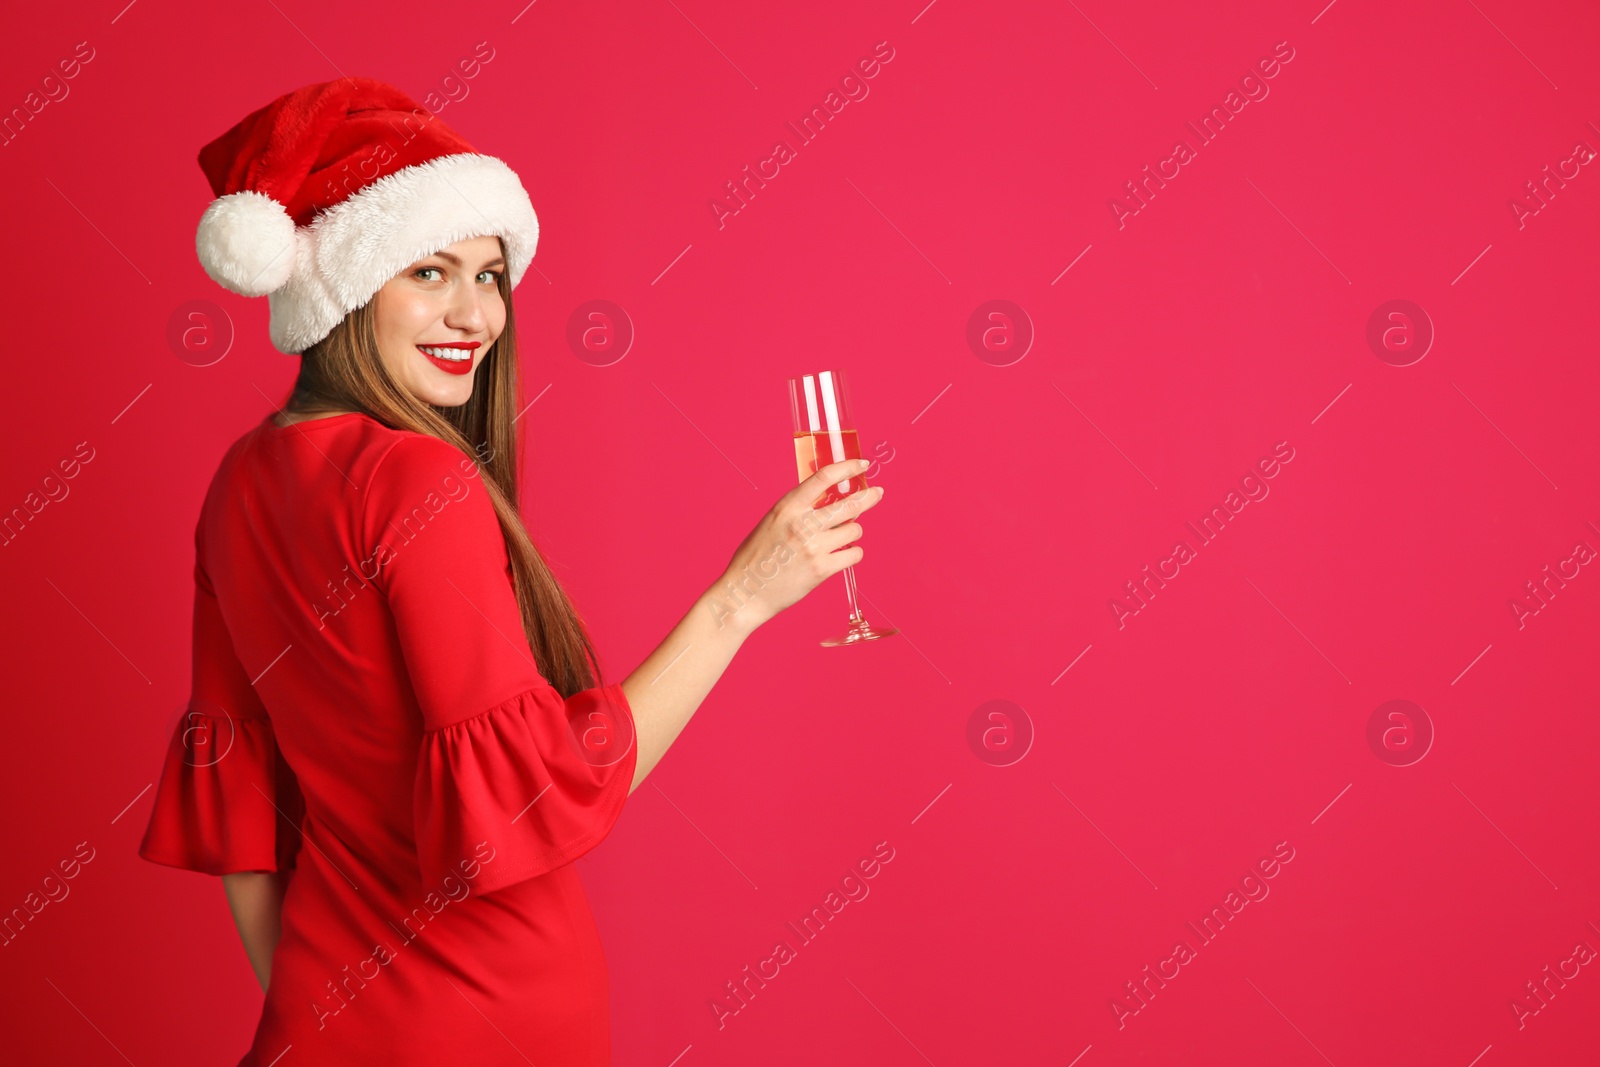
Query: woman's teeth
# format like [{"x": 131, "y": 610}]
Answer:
[{"x": 455, "y": 355}]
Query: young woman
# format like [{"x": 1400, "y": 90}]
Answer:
[{"x": 397, "y": 740}]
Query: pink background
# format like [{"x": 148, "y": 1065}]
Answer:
[{"x": 1229, "y": 314}]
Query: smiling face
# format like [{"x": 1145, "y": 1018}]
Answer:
[{"x": 436, "y": 320}]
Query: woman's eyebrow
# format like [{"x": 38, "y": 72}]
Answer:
[{"x": 456, "y": 260}]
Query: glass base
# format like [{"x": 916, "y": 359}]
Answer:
[{"x": 860, "y": 630}]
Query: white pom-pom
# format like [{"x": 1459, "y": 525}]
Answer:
[{"x": 246, "y": 243}]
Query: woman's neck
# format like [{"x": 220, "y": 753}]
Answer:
[{"x": 289, "y": 418}]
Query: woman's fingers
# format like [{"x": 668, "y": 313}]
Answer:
[
  {"x": 832, "y": 540},
  {"x": 796, "y": 546},
  {"x": 846, "y": 557},
  {"x": 807, "y": 492},
  {"x": 843, "y": 510}
]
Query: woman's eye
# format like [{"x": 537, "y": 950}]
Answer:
[
  {"x": 493, "y": 275},
  {"x": 421, "y": 270}
]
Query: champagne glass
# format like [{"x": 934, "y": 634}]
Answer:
[{"x": 824, "y": 433}]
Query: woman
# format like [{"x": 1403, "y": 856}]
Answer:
[{"x": 397, "y": 742}]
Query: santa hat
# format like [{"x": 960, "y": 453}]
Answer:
[{"x": 331, "y": 190}]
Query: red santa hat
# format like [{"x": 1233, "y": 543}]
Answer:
[{"x": 330, "y": 191}]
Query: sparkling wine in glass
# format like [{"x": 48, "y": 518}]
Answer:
[{"x": 824, "y": 433}]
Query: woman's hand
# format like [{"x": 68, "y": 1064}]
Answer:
[
  {"x": 791, "y": 550},
  {"x": 794, "y": 548}
]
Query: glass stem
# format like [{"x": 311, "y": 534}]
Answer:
[{"x": 850, "y": 591}]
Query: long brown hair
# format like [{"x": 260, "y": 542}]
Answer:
[{"x": 345, "y": 371}]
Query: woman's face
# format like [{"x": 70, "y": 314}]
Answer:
[{"x": 436, "y": 319}]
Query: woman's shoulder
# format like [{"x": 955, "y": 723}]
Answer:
[
  {"x": 297, "y": 457},
  {"x": 404, "y": 467},
  {"x": 348, "y": 432},
  {"x": 407, "y": 454},
  {"x": 416, "y": 481}
]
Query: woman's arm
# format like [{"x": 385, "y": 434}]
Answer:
[
  {"x": 791, "y": 551},
  {"x": 256, "y": 900}
]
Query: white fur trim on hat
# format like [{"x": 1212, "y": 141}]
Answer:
[
  {"x": 351, "y": 250},
  {"x": 245, "y": 241}
]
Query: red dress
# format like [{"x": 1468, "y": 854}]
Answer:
[{"x": 366, "y": 712}]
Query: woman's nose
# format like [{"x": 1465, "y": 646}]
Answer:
[{"x": 466, "y": 311}]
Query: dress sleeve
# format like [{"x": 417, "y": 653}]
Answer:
[
  {"x": 510, "y": 775},
  {"x": 227, "y": 801}
]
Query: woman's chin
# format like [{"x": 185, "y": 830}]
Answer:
[
  {"x": 444, "y": 394},
  {"x": 446, "y": 398}
]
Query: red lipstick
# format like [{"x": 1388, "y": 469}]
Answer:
[{"x": 462, "y": 365}]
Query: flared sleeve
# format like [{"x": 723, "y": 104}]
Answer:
[
  {"x": 512, "y": 779},
  {"x": 226, "y": 800}
]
